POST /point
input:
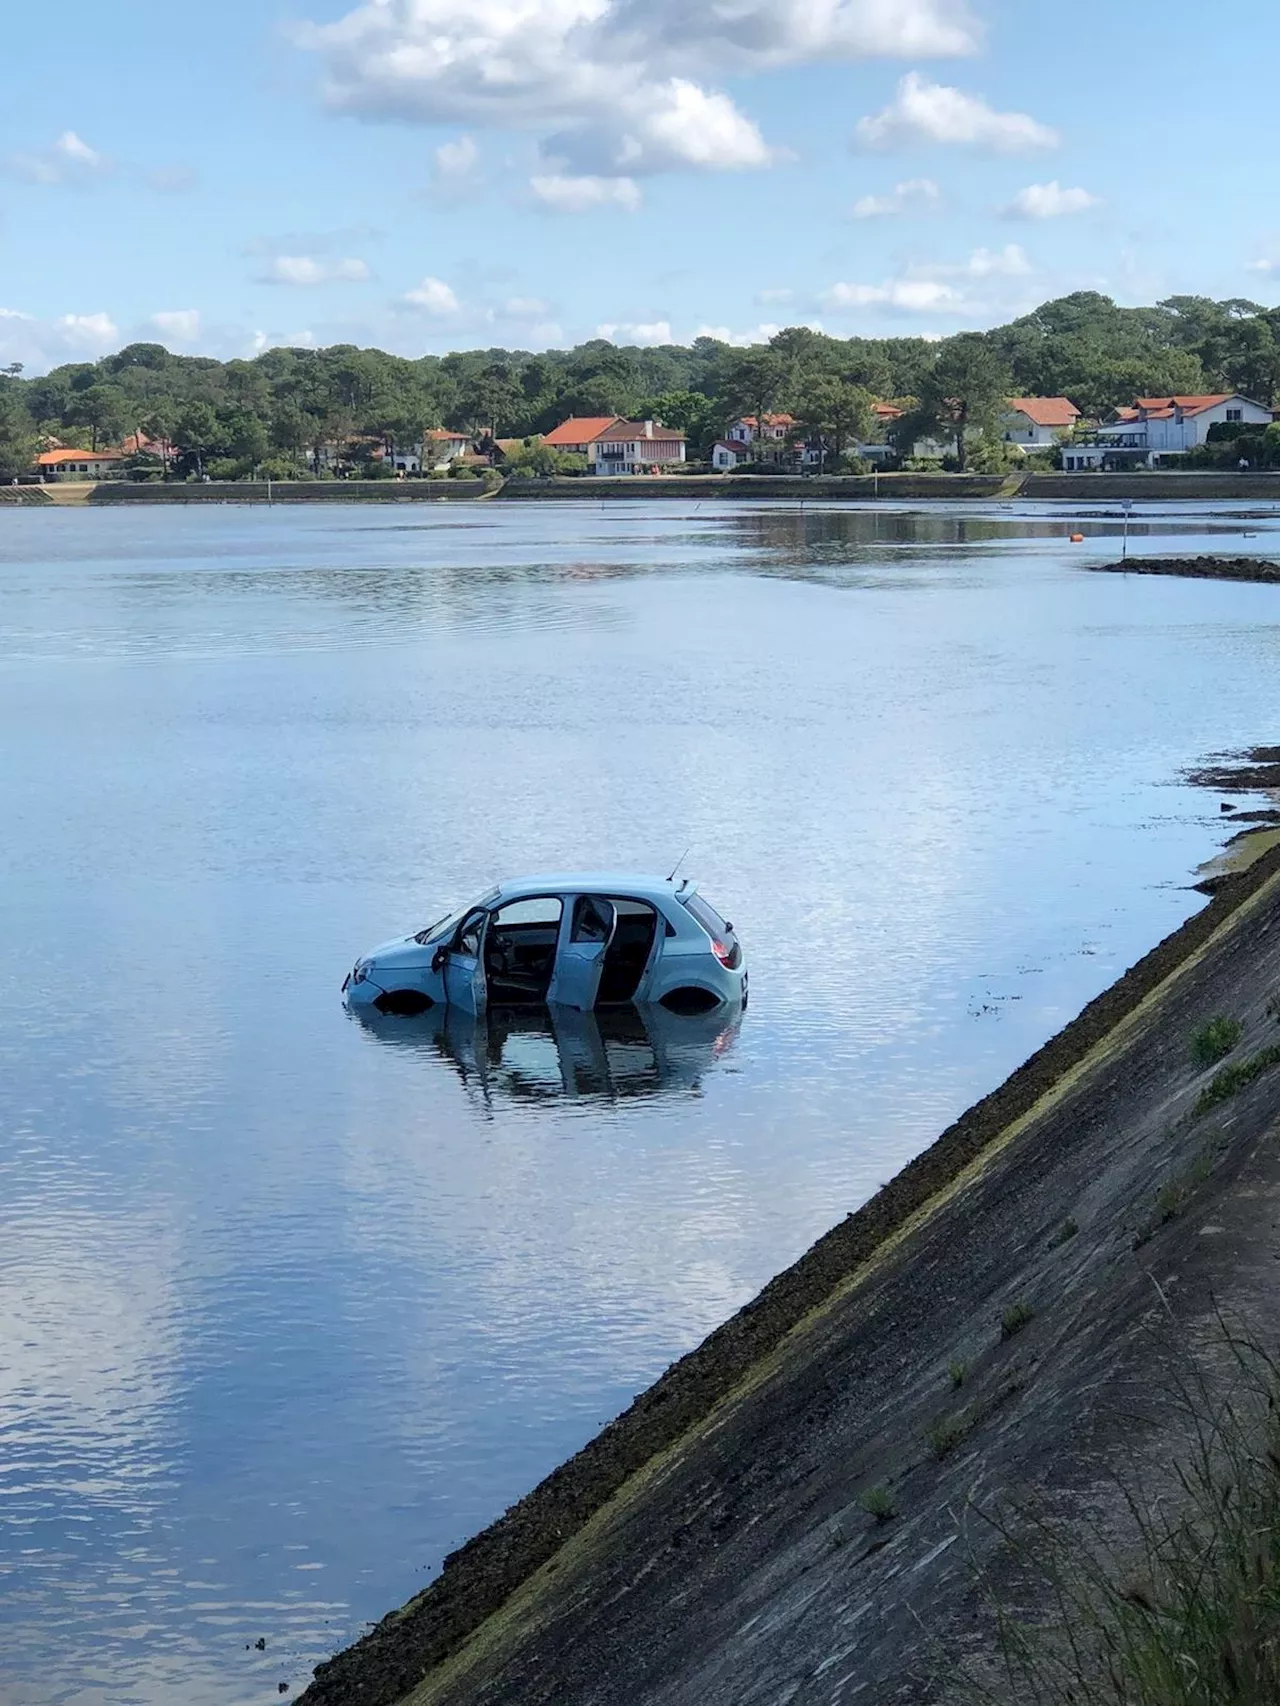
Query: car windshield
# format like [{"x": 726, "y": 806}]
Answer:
[{"x": 449, "y": 923}]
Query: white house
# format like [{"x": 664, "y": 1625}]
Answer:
[
  {"x": 635, "y": 447},
  {"x": 1158, "y": 427},
  {"x": 440, "y": 445},
  {"x": 771, "y": 436},
  {"x": 1037, "y": 423},
  {"x": 726, "y": 453},
  {"x": 79, "y": 464}
]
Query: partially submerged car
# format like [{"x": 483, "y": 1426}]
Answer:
[{"x": 598, "y": 940}]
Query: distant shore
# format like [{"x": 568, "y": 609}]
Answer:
[{"x": 1102, "y": 489}]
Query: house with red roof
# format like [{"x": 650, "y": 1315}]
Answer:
[
  {"x": 1159, "y": 427},
  {"x": 1037, "y": 423},
  {"x": 613, "y": 445},
  {"x": 576, "y": 435},
  {"x": 78, "y": 464}
]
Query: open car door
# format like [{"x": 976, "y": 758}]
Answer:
[
  {"x": 464, "y": 964},
  {"x": 576, "y": 979}
]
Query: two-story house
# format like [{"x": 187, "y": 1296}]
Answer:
[
  {"x": 769, "y": 437},
  {"x": 613, "y": 445},
  {"x": 1156, "y": 428},
  {"x": 1037, "y": 423},
  {"x": 635, "y": 447}
]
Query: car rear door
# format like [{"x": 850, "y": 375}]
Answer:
[
  {"x": 464, "y": 964},
  {"x": 576, "y": 979}
]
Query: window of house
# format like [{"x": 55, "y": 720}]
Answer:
[{"x": 1235, "y": 414}]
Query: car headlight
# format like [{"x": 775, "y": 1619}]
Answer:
[{"x": 360, "y": 971}]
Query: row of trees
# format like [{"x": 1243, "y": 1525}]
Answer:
[{"x": 270, "y": 412}]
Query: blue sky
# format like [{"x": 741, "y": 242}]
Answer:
[{"x": 435, "y": 174}]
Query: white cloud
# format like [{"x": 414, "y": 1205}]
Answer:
[
  {"x": 432, "y": 296},
  {"x": 308, "y": 270},
  {"x": 612, "y": 85},
  {"x": 89, "y": 331},
  {"x": 906, "y": 295},
  {"x": 180, "y": 324},
  {"x": 938, "y": 287},
  {"x": 525, "y": 308},
  {"x": 783, "y": 295},
  {"x": 1049, "y": 201},
  {"x": 644, "y": 334},
  {"x": 455, "y": 166},
  {"x": 911, "y": 194},
  {"x": 74, "y": 149},
  {"x": 1263, "y": 266},
  {"x": 923, "y": 112},
  {"x": 41, "y": 344},
  {"x": 567, "y": 194},
  {"x": 1009, "y": 262},
  {"x": 68, "y": 160}
]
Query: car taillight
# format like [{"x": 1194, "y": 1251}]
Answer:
[{"x": 723, "y": 954}]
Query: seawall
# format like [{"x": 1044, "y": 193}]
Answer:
[
  {"x": 288, "y": 491},
  {"x": 708, "y": 1548},
  {"x": 729, "y": 488}
]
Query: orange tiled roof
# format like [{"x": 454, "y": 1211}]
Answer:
[
  {"x": 769, "y": 420},
  {"x": 443, "y": 435},
  {"x": 1046, "y": 411},
  {"x": 52, "y": 458},
  {"x": 886, "y": 411},
  {"x": 580, "y": 429},
  {"x": 1190, "y": 405}
]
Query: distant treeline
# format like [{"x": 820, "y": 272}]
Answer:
[{"x": 237, "y": 416}]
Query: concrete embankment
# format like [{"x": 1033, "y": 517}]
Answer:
[
  {"x": 287, "y": 491},
  {"x": 984, "y": 1323},
  {"x": 1073, "y": 488}
]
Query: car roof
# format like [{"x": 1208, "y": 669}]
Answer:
[{"x": 595, "y": 882}]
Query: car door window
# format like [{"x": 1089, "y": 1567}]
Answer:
[
  {"x": 592, "y": 920},
  {"x": 469, "y": 933}
]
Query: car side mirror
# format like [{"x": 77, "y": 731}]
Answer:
[{"x": 438, "y": 959}]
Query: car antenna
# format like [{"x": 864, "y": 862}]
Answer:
[{"x": 680, "y": 861}]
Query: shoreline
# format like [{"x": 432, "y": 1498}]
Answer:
[
  {"x": 480, "y": 1605},
  {"x": 1105, "y": 489}
]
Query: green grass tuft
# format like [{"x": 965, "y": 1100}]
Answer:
[
  {"x": 1229, "y": 1080},
  {"x": 1015, "y": 1318},
  {"x": 946, "y": 1433},
  {"x": 1214, "y": 1041},
  {"x": 878, "y": 1502},
  {"x": 1197, "y": 1622},
  {"x": 958, "y": 1371},
  {"x": 1065, "y": 1233}
]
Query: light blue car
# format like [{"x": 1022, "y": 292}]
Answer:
[{"x": 597, "y": 940}]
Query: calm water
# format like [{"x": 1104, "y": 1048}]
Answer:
[{"x": 288, "y": 1306}]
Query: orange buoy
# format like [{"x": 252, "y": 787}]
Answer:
[{"x": 1077, "y": 538}]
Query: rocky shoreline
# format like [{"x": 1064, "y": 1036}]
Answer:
[{"x": 1196, "y": 568}]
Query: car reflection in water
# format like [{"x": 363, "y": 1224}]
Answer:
[{"x": 551, "y": 1054}]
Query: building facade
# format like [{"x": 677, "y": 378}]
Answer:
[
  {"x": 79, "y": 464},
  {"x": 1158, "y": 428}
]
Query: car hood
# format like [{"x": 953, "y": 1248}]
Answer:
[{"x": 403, "y": 954}]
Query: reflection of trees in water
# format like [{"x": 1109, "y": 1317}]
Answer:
[{"x": 552, "y": 1054}]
